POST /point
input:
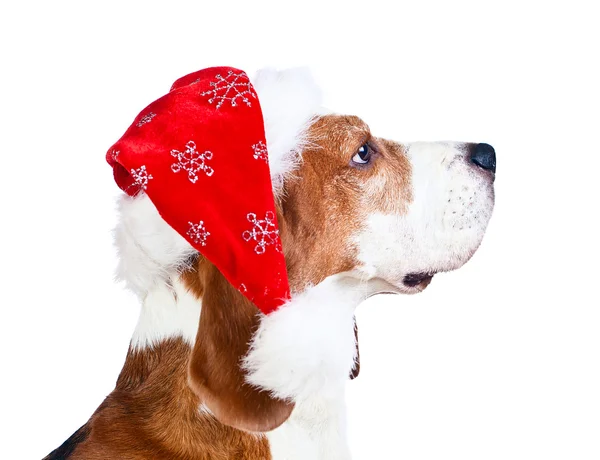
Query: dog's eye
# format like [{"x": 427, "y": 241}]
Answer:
[{"x": 363, "y": 155}]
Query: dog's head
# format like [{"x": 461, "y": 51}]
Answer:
[
  {"x": 385, "y": 214},
  {"x": 382, "y": 209}
]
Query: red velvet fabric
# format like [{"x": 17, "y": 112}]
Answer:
[{"x": 200, "y": 155}]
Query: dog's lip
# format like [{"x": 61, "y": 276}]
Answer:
[{"x": 416, "y": 279}]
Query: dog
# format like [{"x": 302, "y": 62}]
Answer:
[{"x": 209, "y": 377}]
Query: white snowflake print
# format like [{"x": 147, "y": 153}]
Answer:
[
  {"x": 234, "y": 87},
  {"x": 114, "y": 154},
  {"x": 141, "y": 176},
  {"x": 145, "y": 119},
  {"x": 198, "y": 233},
  {"x": 243, "y": 289},
  {"x": 260, "y": 151},
  {"x": 192, "y": 161},
  {"x": 264, "y": 232}
]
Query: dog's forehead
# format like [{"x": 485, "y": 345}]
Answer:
[{"x": 339, "y": 132}]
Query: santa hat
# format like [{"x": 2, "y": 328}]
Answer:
[{"x": 200, "y": 155}]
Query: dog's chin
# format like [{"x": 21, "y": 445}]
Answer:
[
  {"x": 393, "y": 278},
  {"x": 412, "y": 283},
  {"x": 416, "y": 282}
]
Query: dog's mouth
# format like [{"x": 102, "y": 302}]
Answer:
[{"x": 414, "y": 280}]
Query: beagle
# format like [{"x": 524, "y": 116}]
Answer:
[{"x": 209, "y": 377}]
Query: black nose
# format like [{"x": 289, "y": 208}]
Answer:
[{"x": 484, "y": 156}]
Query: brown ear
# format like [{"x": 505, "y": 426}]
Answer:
[
  {"x": 356, "y": 369},
  {"x": 227, "y": 323}
]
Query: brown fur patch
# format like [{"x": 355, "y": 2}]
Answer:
[
  {"x": 227, "y": 324},
  {"x": 320, "y": 210},
  {"x": 152, "y": 413}
]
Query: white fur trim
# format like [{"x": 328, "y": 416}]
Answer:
[
  {"x": 289, "y": 99},
  {"x": 307, "y": 346},
  {"x": 149, "y": 250},
  {"x": 304, "y": 351}
]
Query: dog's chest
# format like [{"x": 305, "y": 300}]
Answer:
[{"x": 315, "y": 431}]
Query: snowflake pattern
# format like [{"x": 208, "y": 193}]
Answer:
[
  {"x": 192, "y": 161},
  {"x": 141, "y": 176},
  {"x": 114, "y": 154},
  {"x": 260, "y": 151},
  {"x": 198, "y": 233},
  {"x": 234, "y": 87},
  {"x": 264, "y": 232},
  {"x": 145, "y": 119}
]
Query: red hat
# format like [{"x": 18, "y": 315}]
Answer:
[{"x": 200, "y": 155}]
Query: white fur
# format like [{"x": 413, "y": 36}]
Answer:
[
  {"x": 316, "y": 430},
  {"x": 445, "y": 223},
  {"x": 168, "y": 310},
  {"x": 289, "y": 100}
]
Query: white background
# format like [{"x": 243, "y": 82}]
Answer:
[{"x": 500, "y": 360}]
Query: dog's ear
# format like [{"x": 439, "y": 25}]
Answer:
[
  {"x": 227, "y": 324},
  {"x": 356, "y": 369}
]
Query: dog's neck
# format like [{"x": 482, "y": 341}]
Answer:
[
  {"x": 169, "y": 310},
  {"x": 319, "y": 317}
]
